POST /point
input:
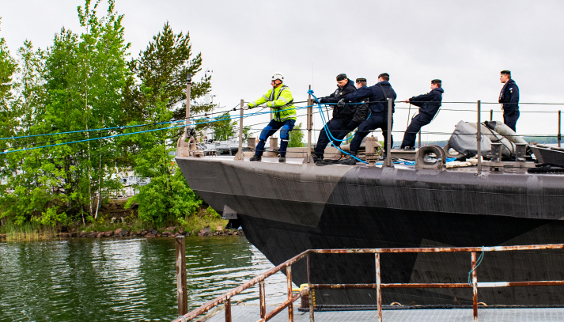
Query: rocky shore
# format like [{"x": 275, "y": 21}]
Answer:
[
  {"x": 152, "y": 233},
  {"x": 147, "y": 233}
]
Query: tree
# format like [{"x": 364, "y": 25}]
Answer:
[
  {"x": 296, "y": 137},
  {"x": 76, "y": 85},
  {"x": 223, "y": 127},
  {"x": 161, "y": 70}
]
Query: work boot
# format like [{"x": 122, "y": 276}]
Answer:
[
  {"x": 256, "y": 158},
  {"x": 408, "y": 148},
  {"x": 348, "y": 161},
  {"x": 318, "y": 159},
  {"x": 281, "y": 159}
]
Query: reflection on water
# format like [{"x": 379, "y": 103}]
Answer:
[{"x": 123, "y": 279}]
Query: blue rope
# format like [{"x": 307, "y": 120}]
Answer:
[
  {"x": 329, "y": 135},
  {"x": 478, "y": 262},
  {"x": 145, "y": 131}
]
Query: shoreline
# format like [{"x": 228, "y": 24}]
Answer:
[{"x": 169, "y": 232}]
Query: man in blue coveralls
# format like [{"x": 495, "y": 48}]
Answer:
[{"x": 509, "y": 97}]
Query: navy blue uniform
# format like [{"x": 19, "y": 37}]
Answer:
[
  {"x": 342, "y": 116},
  {"x": 378, "y": 96},
  {"x": 509, "y": 97},
  {"x": 429, "y": 105}
]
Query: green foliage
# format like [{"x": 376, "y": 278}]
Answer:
[
  {"x": 296, "y": 137},
  {"x": 86, "y": 81},
  {"x": 223, "y": 127}
]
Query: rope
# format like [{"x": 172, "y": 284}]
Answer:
[
  {"x": 478, "y": 262},
  {"x": 329, "y": 135}
]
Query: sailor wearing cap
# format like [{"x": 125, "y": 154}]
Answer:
[
  {"x": 509, "y": 97},
  {"x": 429, "y": 105},
  {"x": 342, "y": 116}
]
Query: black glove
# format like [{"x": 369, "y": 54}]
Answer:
[
  {"x": 320, "y": 99},
  {"x": 341, "y": 103}
]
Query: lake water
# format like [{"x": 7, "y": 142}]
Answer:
[{"x": 123, "y": 279}]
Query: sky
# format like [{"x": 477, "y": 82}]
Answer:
[{"x": 464, "y": 43}]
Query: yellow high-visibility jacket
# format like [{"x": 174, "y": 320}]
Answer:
[{"x": 280, "y": 100}]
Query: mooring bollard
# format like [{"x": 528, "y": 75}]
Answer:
[{"x": 181, "y": 285}]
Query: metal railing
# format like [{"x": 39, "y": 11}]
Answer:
[{"x": 474, "y": 285}]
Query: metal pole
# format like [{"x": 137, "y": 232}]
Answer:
[
  {"x": 309, "y": 118},
  {"x": 378, "y": 288},
  {"x": 419, "y": 140},
  {"x": 491, "y": 115},
  {"x": 228, "y": 310},
  {"x": 559, "y": 127},
  {"x": 289, "y": 283},
  {"x": 240, "y": 152},
  {"x": 262, "y": 301},
  {"x": 311, "y": 317},
  {"x": 479, "y": 137},
  {"x": 188, "y": 93},
  {"x": 474, "y": 287},
  {"x": 388, "y": 162},
  {"x": 181, "y": 286}
]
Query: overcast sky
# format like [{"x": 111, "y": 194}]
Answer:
[{"x": 464, "y": 43}]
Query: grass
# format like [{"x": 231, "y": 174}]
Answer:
[
  {"x": 27, "y": 231},
  {"x": 192, "y": 223}
]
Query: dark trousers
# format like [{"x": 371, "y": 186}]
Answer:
[
  {"x": 339, "y": 129},
  {"x": 416, "y": 124},
  {"x": 270, "y": 129},
  {"x": 376, "y": 121},
  {"x": 510, "y": 119}
]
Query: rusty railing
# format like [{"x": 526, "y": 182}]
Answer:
[{"x": 474, "y": 285}]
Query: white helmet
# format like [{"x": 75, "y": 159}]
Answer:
[{"x": 278, "y": 75}]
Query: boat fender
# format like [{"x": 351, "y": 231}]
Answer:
[{"x": 430, "y": 157}]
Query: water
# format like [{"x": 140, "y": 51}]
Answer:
[{"x": 123, "y": 279}]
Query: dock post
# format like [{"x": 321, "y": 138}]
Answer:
[
  {"x": 262, "y": 301},
  {"x": 181, "y": 286},
  {"x": 479, "y": 137},
  {"x": 309, "y": 122},
  {"x": 289, "y": 283},
  {"x": 559, "y": 127},
  {"x": 228, "y": 310},
  {"x": 388, "y": 162},
  {"x": 491, "y": 115},
  {"x": 419, "y": 139},
  {"x": 310, "y": 291},
  {"x": 474, "y": 287},
  {"x": 378, "y": 288}
]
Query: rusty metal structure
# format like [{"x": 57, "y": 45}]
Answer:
[{"x": 287, "y": 266}]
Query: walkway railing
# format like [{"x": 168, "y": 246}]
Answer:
[{"x": 473, "y": 281}]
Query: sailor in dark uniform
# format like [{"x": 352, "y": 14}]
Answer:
[
  {"x": 509, "y": 97},
  {"x": 429, "y": 105}
]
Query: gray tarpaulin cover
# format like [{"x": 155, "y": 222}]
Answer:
[{"x": 463, "y": 140}]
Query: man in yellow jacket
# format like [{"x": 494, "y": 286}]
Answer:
[{"x": 280, "y": 100}]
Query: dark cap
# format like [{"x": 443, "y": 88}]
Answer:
[
  {"x": 436, "y": 81},
  {"x": 506, "y": 72},
  {"x": 361, "y": 79},
  {"x": 341, "y": 77},
  {"x": 384, "y": 76}
]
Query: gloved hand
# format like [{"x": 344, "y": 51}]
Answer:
[
  {"x": 320, "y": 99},
  {"x": 269, "y": 104},
  {"x": 341, "y": 103},
  {"x": 251, "y": 105}
]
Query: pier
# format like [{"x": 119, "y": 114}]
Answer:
[{"x": 312, "y": 312}]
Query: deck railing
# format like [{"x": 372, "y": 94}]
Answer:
[{"x": 474, "y": 285}]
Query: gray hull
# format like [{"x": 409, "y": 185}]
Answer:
[{"x": 287, "y": 208}]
